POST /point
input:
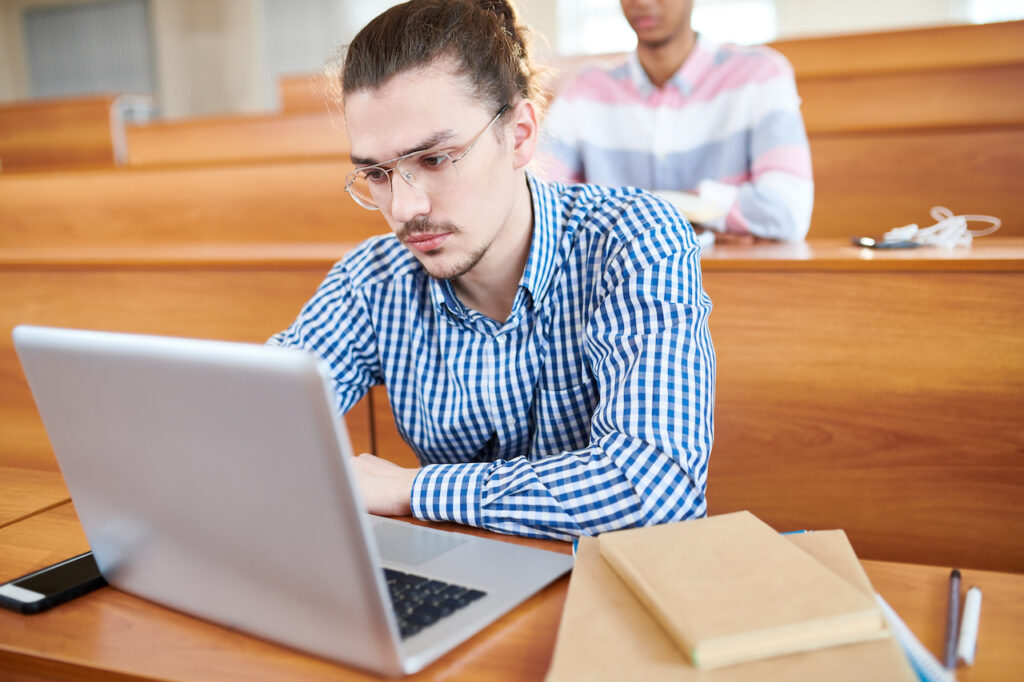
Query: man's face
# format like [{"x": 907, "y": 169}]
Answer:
[
  {"x": 657, "y": 22},
  {"x": 451, "y": 227}
]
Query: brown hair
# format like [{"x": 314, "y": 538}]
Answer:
[{"x": 483, "y": 38}]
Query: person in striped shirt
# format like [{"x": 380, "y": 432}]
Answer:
[
  {"x": 682, "y": 113},
  {"x": 545, "y": 348}
]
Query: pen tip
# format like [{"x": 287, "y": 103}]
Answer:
[{"x": 955, "y": 573}]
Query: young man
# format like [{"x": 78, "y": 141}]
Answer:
[
  {"x": 683, "y": 113},
  {"x": 545, "y": 348}
]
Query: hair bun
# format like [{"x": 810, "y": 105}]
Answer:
[{"x": 506, "y": 12}]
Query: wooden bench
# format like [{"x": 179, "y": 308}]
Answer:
[
  {"x": 66, "y": 132},
  {"x": 297, "y": 202},
  {"x": 251, "y": 138},
  {"x": 230, "y": 292},
  {"x": 901, "y": 121},
  {"x": 879, "y": 393},
  {"x": 304, "y": 93}
]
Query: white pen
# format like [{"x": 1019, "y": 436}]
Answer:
[{"x": 969, "y": 626}]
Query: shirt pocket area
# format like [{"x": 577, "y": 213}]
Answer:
[{"x": 562, "y": 418}]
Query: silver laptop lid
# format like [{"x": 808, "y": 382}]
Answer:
[{"x": 233, "y": 502}]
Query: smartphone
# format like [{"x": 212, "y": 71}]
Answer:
[
  {"x": 877, "y": 244},
  {"x": 52, "y": 585}
]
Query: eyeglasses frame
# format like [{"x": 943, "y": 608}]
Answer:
[{"x": 391, "y": 165}]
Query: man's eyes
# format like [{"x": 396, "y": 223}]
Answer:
[
  {"x": 431, "y": 161},
  {"x": 375, "y": 175},
  {"x": 434, "y": 161}
]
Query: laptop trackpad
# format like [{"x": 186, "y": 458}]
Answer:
[{"x": 408, "y": 544}]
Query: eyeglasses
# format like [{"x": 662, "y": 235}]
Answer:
[{"x": 429, "y": 171}]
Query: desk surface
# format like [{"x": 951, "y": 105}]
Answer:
[
  {"x": 990, "y": 254},
  {"x": 112, "y": 635},
  {"x": 24, "y": 492}
]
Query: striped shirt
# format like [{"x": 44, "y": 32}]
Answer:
[
  {"x": 727, "y": 126},
  {"x": 588, "y": 409}
]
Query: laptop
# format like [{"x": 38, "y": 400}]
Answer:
[{"x": 213, "y": 477}]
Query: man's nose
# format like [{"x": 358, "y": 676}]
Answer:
[{"x": 407, "y": 201}]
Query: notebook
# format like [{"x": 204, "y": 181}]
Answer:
[
  {"x": 607, "y": 633},
  {"x": 214, "y": 478},
  {"x": 730, "y": 589}
]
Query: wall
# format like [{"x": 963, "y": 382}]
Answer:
[
  {"x": 208, "y": 56},
  {"x": 798, "y": 18},
  {"x": 212, "y": 57}
]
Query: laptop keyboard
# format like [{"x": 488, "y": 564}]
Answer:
[{"x": 420, "y": 602}]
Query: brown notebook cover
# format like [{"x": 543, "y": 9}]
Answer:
[
  {"x": 607, "y": 634},
  {"x": 730, "y": 589}
]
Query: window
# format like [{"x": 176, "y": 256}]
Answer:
[
  {"x": 985, "y": 11},
  {"x": 592, "y": 27},
  {"x": 89, "y": 48},
  {"x": 747, "y": 22},
  {"x": 597, "y": 26}
]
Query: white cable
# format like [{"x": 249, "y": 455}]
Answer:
[{"x": 949, "y": 230}]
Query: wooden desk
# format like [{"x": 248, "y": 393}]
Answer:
[
  {"x": 24, "y": 492},
  {"x": 111, "y": 635},
  {"x": 239, "y": 292},
  {"x": 879, "y": 392}
]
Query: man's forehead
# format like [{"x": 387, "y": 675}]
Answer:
[{"x": 410, "y": 108}]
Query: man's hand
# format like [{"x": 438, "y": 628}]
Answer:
[{"x": 386, "y": 487}]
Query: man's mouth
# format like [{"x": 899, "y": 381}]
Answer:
[
  {"x": 426, "y": 242},
  {"x": 644, "y": 23}
]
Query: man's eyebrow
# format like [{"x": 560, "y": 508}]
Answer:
[{"x": 432, "y": 141}]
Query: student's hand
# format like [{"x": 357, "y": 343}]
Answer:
[
  {"x": 386, "y": 487},
  {"x": 733, "y": 238}
]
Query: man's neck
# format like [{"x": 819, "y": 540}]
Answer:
[
  {"x": 490, "y": 288},
  {"x": 661, "y": 61}
]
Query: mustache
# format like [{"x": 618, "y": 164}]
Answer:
[{"x": 418, "y": 226}]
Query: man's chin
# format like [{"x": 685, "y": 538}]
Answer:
[
  {"x": 441, "y": 268},
  {"x": 435, "y": 264}
]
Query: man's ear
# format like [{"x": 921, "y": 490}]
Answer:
[{"x": 525, "y": 132}]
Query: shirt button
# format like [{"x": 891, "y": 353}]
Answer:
[
  {"x": 500, "y": 339},
  {"x": 510, "y": 422}
]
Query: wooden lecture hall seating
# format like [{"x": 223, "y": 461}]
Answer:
[
  {"x": 878, "y": 392},
  {"x": 73, "y": 132}
]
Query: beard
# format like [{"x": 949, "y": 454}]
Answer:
[{"x": 431, "y": 263}]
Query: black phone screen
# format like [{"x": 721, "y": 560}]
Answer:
[{"x": 59, "y": 577}]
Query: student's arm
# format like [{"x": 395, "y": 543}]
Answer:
[
  {"x": 650, "y": 352},
  {"x": 776, "y": 202},
  {"x": 335, "y": 323}
]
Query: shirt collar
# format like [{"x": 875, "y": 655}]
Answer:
[
  {"x": 540, "y": 263},
  {"x": 695, "y": 66}
]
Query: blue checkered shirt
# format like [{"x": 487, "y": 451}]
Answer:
[{"x": 587, "y": 410}]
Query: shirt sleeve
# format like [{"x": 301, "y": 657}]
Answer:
[
  {"x": 650, "y": 352},
  {"x": 335, "y": 326},
  {"x": 776, "y": 202}
]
